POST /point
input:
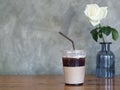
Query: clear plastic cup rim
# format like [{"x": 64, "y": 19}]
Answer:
[{"x": 74, "y": 53}]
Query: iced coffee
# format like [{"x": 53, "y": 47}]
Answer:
[{"x": 74, "y": 67}]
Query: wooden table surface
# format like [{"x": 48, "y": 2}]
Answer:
[{"x": 55, "y": 82}]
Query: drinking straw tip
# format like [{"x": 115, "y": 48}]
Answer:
[{"x": 68, "y": 39}]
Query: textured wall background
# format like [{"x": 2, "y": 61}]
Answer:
[{"x": 29, "y": 39}]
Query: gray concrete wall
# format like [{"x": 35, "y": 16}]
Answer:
[{"x": 29, "y": 39}]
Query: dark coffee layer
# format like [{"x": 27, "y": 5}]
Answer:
[{"x": 72, "y": 62}]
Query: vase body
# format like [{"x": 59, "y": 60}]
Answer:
[{"x": 105, "y": 63}]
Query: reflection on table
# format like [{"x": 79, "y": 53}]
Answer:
[
  {"x": 105, "y": 84},
  {"x": 74, "y": 87},
  {"x": 95, "y": 84}
]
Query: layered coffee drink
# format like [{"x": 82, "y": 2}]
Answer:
[{"x": 74, "y": 67}]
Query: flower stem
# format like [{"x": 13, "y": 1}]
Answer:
[
  {"x": 101, "y": 33},
  {"x": 103, "y": 38}
]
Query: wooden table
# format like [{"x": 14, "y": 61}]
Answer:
[{"x": 55, "y": 82}]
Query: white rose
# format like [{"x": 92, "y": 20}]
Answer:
[{"x": 95, "y": 13}]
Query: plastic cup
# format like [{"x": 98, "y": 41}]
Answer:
[{"x": 74, "y": 66}]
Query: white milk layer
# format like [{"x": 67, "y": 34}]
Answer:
[{"x": 74, "y": 75}]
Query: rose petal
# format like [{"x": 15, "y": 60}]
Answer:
[
  {"x": 94, "y": 23},
  {"x": 104, "y": 12}
]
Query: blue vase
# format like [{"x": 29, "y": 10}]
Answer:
[{"x": 105, "y": 63}]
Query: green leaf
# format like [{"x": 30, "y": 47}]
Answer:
[
  {"x": 100, "y": 34},
  {"x": 94, "y": 34},
  {"x": 115, "y": 34},
  {"x": 106, "y": 30}
]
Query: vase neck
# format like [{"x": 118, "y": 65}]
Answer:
[{"x": 105, "y": 46}]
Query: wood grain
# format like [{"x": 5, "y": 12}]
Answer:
[{"x": 55, "y": 82}]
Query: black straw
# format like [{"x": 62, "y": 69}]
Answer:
[{"x": 68, "y": 39}]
